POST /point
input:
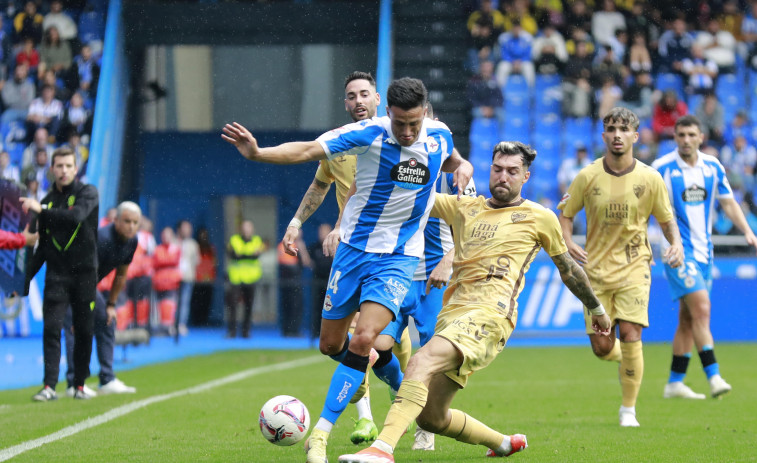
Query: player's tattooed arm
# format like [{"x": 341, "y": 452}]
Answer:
[
  {"x": 310, "y": 203},
  {"x": 575, "y": 279},
  {"x": 312, "y": 200}
]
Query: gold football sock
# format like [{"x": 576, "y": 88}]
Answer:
[
  {"x": 364, "y": 389},
  {"x": 411, "y": 398},
  {"x": 616, "y": 354},
  {"x": 404, "y": 349},
  {"x": 631, "y": 371},
  {"x": 464, "y": 428}
]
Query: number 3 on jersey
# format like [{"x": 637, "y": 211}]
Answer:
[{"x": 334, "y": 282}]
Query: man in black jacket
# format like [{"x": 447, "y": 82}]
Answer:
[{"x": 68, "y": 243}]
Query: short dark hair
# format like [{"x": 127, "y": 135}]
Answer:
[
  {"x": 406, "y": 93},
  {"x": 509, "y": 148},
  {"x": 688, "y": 120},
  {"x": 429, "y": 110},
  {"x": 623, "y": 115},
  {"x": 360, "y": 75},
  {"x": 62, "y": 152}
]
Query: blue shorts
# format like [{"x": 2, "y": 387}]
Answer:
[
  {"x": 691, "y": 276},
  {"x": 424, "y": 309},
  {"x": 358, "y": 276}
]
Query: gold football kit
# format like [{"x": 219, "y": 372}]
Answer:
[
  {"x": 618, "y": 206},
  {"x": 494, "y": 248}
]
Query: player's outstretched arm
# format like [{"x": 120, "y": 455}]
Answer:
[
  {"x": 575, "y": 279},
  {"x": 310, "y": 203},
  {"x": 286, "y": 153},
  {"x": 462, "y": 169},
  {"x": 576, "y": 252},
  {"x": 734, "y": 212},
  {"x": 674, "y": 254}
]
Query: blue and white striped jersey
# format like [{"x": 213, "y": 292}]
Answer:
[
  {"x": 692, "y": 192},
  {"x": 395, "y": 184},
  {"x": 438, "y": 234}
]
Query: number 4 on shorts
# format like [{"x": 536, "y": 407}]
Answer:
[{"x": 333, "y": 282}]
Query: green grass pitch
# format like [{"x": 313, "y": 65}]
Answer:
[{"x": 564, "y": 399}]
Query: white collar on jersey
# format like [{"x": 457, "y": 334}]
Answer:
[{"x": 683, "y": 164}]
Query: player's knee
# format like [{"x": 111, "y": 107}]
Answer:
[
  {"x": 600, "y": 348},
  {"x": 431, "y": 422},
  {"x": 362, "y": 341},
  {"x": 331, "y": 347}
]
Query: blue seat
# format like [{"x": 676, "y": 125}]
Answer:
[
  {"x": 694, "y": 100},
  {"x": 728, "y": 84},
  {"x": 665, "y": 147},
  {"x": 516, "y": 128},
  {"x": 516, "y": 83},
  {"x": 517, "y": 95},
  {"x": 670, "y": 81},
  {"x": 548, "y": 123},
  {"x": 483, "y": 128},
  {"x": 91, "y": 26},
  {"x": 577, "y": 131},
  {"x": 544, "y": 81},
  {"x": 13, "y": 131},
  {"x": 546, "y": 146},
  {"x": 15, "y": 152},
  {"x": 548, "y": 100}
]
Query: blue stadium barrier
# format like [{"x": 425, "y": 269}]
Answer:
[{"x": 547, "y": 310}]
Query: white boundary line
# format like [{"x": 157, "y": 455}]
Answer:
[{"x": 10, "y": 452}]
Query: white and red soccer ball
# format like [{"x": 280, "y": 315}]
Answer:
[{"x": 284, "y": 420}]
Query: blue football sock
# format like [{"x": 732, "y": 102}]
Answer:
[
  {"x": 390, "y": 373},
  {"x": 709, "y": 364},
  {"x": 678, "y": 367},
  {"x": 344, "y": 383}
]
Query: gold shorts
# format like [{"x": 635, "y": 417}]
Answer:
[
  {"x": 479, "y": 332},
  {"x": 629, "y": 304}
]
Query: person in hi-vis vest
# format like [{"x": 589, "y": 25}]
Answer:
[{"x": 244, "y": 271}]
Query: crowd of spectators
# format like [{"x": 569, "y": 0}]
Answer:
[
  {"x": 660, "y": 59},
  {"x": 49, "y": 67}
]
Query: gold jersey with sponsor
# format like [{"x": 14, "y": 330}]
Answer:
[
  {"x": 341, "y": 171},
  {"x": 494, "y": 248},
  {"x": 618, "y": 206}
]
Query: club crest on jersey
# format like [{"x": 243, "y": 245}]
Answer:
[
  {"x": 518, "y": 216},
  {"x": 435, "y": 144},
  {"x": 411, "y": 174},
  {"x": 638, "y": 190},
  {"x": 327, "y": 305},
  {"x": 694, "y": 194}
]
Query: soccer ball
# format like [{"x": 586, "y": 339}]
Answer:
[{"x": 284, "y": 420}]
